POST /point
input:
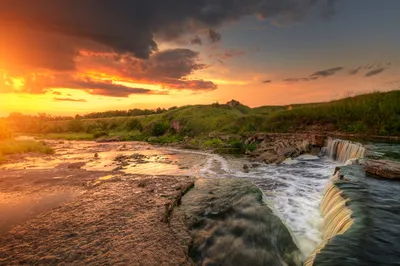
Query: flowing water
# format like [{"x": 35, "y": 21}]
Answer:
[{"x": 294, "y": 188}]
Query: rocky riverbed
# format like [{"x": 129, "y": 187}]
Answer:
[
  {"x": 115, "y": 203},
  {"x": 84, "y": 205}
]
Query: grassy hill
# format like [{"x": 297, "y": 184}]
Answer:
[{"x": 372, "y": 114}]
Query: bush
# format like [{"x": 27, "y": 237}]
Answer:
[
  {"x": 213, "y": 143},
  {"x": 159, "y": 129},
  {"x": 14, "y": 147},
  {"x": 134, "y": 124},
  {"x": 75, "y": 126},
  {"x": 99, "y": 134}
]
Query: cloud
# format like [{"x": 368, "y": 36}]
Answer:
[
  {"x": 169, "y": 69},
  {"x": 293, "y": 80},
  {"x": 355, "y": 71},
  {"x": 196, "y": 40},
  {"x": 316, "y": 75},
  {"x": 56, "y": 93},
  {"x": 69, "y": 100},
  {"x": 326, "y": 72},
  {"x": 106, "y": 88},
  {"x": 214, "y": 36},
  {"x": 372, "y": 69},
  {"x": 267, "y": 81},
  {"x": 227, "y": 54},
  {"x": 57, "y": 29},
  {"x": 374, "y": 72}
]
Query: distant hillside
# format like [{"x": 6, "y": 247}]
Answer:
[{"x": 374, "y": 114}]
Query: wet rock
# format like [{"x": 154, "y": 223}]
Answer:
[
  {"x": 245, "y": 168},
  {"x": 77, "y": 165},
  {"x": 109, "y": 139},
  {"x": 269, "y": 157},
  {"x": 286, "y": 152},
  {"x": 382, "y": 168},
  {"x": 275, "y": 148},
  {"x": 231, "y": 225}
]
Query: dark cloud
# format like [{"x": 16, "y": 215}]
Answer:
[
  {"x": 125, "y": 26},
  {"x": 372, "y": 69},
  {"x": 41, "y": 83},
  {"x": 374, "y": 72},
  {"x": 326, "y": 72},
  {"x": 56, "y": 93},
  {"x": 316, "y": 75},
  {"x": 227, "y": 54},
  {"x": 169, "y": 68},
  {"x": 293, "y": 80},
  {"x": 267, "y": 81},
  {"x": 69, "y": 100},
  {"x": 195, "y": 85},
  {"x": 196, "y": 41},
  {"x": 105, "y": 88},
  {"x": 355, "y": 71},
  {"x": 214, "y": 36}
]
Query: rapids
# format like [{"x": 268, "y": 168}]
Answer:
[{"x": 294, "y": 189}]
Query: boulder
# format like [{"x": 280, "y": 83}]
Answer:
[
  {"x": 382, "y": 168},
  {"x": 286, "y": 151},
  {"x": 176, "y": 125},
  {"x": 269, "y": 157}
]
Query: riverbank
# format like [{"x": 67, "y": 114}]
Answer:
[
  {"x": 81, "y": 205},
  {"x": 119, "y": 220},
  {"x": 85, "y": 179}
]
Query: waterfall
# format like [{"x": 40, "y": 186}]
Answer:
[
  {"x": 343, "y": 150},
  {"x": 337, "y": 217}
]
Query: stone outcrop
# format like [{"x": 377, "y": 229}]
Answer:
[
  {"x": 176, "y": 125},
  {"x": 233, "y": 103},
  {"x": 231, "y": 224},
  {"x": 382, "y": 168},
  {"x": 275, "y": 148}
]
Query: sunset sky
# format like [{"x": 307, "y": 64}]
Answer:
[{"x": 79, "y": 56}]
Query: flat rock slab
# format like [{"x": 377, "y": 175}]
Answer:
[
  {"x": 115, "y": 222},
  {"x": 383, "y": 168}
]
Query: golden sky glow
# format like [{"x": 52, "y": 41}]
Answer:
[{"x": 99, "y": 66}]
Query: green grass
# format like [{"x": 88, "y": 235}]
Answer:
[
  {"x": 9, "y": 147},
  {"x": 369, "y": 114},
  {"x": 68, "y": 136}
]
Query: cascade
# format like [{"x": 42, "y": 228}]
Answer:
[
  {"x": 343, "y": 150},
  {"x": 337, "y": 216}
]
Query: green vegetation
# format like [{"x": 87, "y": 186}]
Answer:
[
  {"x": 69, "y": 136},
  {"x": 213, "y": 126},
  {"x": 8, "y": 147},
  {"x": 371, "y": 114}
]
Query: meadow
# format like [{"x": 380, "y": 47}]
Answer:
[{"x": 375, "y": 113}]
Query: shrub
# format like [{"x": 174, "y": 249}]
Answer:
[
  {"x": 99, "y": 134},
  {"x": 159, "y": 129},
  {"x": 75, "y": 126},
  {"x": 134, "y": 124},
  {"x": 213, "y": 143}
]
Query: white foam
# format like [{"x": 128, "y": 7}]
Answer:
[{"x": 295, "y": 189}]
